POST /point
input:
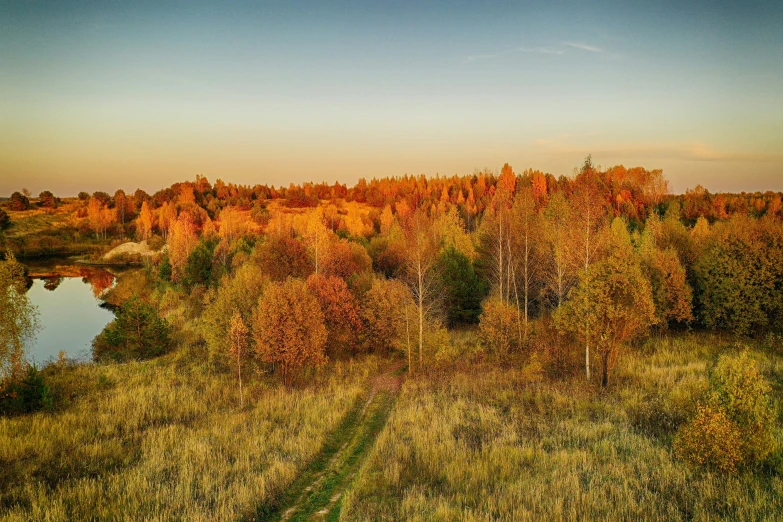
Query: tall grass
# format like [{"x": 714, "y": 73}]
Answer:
[
  {"x": 487, "y": 444},
  {"x": 166, "y": 440}
]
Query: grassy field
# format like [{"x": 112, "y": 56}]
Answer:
[
  {"x": 166, "y": 440},
  {"x": 491, "y": 444}
]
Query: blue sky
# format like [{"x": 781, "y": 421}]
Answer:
[{"x": 96, "y": 96}]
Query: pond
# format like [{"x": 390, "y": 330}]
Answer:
[{"x": 68, "y": 300}]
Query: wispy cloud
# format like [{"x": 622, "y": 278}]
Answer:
[
  {"x": 541, "y": 50},
  {"x": 558, "y": 50},
  {"x": 584, "y": 47}
]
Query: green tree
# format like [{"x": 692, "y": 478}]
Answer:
[
  {"x": 740, "y": 276},
  {"x": 198, "y": 268},
  {"x": 612, "y": 303},
  {"x": 138, "y": 332},
  {"x": 463, "y": 289}
]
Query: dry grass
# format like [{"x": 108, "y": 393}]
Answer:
[
  {"x": 166, "y": 440},
  {"x": 487, "y": 444}
]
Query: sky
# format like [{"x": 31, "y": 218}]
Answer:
[{"x": 115, "y": 94}]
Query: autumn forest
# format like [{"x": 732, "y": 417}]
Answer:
[{"x": 497, "y": 346}]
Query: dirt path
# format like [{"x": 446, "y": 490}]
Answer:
[{"x": 317, "y": 493}]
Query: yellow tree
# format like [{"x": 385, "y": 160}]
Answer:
[
  {"x": 288, "y": 328},
  {"x": 145, "y": 221},
  {"x": 612, "y": 304},
  {"x": 18, "y": 318},
  {"x": 181, "y": 243},
  {"x": 423, "y": 246},
  {"x": 238, "y": 343}
]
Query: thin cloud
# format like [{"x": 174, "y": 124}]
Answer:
[
  {"x": 541, "y": 50},
  {"x": 584, "y": 47}
]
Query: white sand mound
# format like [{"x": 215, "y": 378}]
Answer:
[{"x": 130, "y": 247}]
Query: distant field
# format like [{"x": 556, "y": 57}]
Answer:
[
  {"x": 166, "y": 440},
  {"x": 490, "y": 445}
]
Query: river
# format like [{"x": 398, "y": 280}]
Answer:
[{"x": 68, "y": 300}]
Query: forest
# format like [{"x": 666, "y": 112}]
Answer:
[{"x": 494, "y": 346}]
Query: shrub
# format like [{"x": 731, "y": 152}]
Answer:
[
  {"x": 499, "y": 326},
  {"x": 736, "y": 424},
  {"x": 4, "y": 219},
  {"x": 138, "y": 332},
  {"x": 711, "y": 439},
  {"x": 19, "y": 202},
  {"x": 26, "y": 395}
]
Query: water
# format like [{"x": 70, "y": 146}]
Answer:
[{"x": 70, "y": 315}]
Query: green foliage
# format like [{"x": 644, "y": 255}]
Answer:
[
  {"x": 736, "y": 424},
  {"x": 5, "y": 220},
  {"x": 138, "y": 332},
  {"x": 464, "y": 290},
  {"x": 740, "y": 276},
  {"x": 26, "y": 395},
  {"x": 612, "y": 303},
  {"x": 198, "y": 268},
  {"x": 239, "y": 291},
  {"x": 165, "y": 270},
  {"x": 18, "y": 317}
]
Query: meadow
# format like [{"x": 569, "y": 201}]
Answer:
[
  {"x": 166, "y": 440},
  {"x": 491, "y": 442}
]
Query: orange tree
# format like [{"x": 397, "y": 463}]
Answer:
[
  {"x": 288, "y": 328},
  {"x": 341, "y": 313}
]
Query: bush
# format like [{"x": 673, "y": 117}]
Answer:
[
  {"x": 711, "y": 439},
  {"x": 26, "y": 395},
  {"x": 19, "y": 202},
  {"x": 736, "y": 425},
  {"x": 499, "y": 326},
  {"x": 138, "y": 332},
  {"x": 4, "y": 219}
]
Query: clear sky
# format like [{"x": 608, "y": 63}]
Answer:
[{"x": 110, "y": 94}]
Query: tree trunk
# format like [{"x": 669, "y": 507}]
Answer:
[
  {"x": 239, "y": 374},
  {"x": 605, "y": 370}
]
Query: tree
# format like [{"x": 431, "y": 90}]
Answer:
[
  {"x": 612, "y": 303},
  {"x": 563, "y": 253},
  {"x": 498, "y": 326},
  {"x": 138, "y": 332},
  {"x": 671, "y": 292},
  {"x": 237, "y": 292},
  {"x": 462, "y": 288},
  {"x": 423, "y": 244},
  {"x": 18, "y": 318},
  {"x": 198, "y": 267},
  {"x": 4, "y": 219},
  {"x": 84, "y": 196},
  {"x": 387, "y": 310},
  {"x": 341, "y": 313},
  {"x": 99, "y": 216},
  {"x": 123, "y": 206},
  {"x": 145, "y": 221},
  {"x": 47, "y": 199},
  {"x": 283, "y": 257},
  {"x": 238, "y": 343},
  {"x": 740, "y": 275},
  {"x": 19, "y": 202},
  {"x": 288, "y": 328},
  {"x": 182, "y": 242}
]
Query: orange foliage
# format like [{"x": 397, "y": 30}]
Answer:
[
  {"x": 341, "y": 313},
  {"x": 288, "y": 328}
]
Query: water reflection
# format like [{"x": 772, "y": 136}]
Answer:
[{"x": 67, "y": 297}]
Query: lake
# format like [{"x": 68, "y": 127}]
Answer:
[{"x": 68, "y": 301}]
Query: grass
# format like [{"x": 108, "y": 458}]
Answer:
[
  {"x": 335, "y": 466},
  {"x": 486, "y": 443},
  {"x": 166, "y": 440}
]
